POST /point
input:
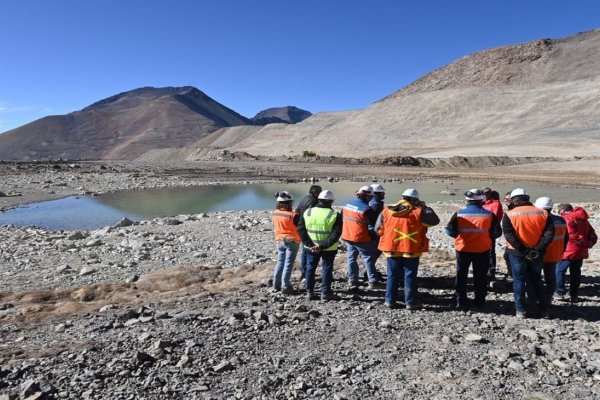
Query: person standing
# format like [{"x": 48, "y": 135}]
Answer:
[
  {"x": 509, "y": 206},
  {"x": 495, "y": 207},
  {"x": 581, "y": 238},
  {"x": 320, "y": 228},
  {"x": 357, "y": 232},
  {"x": 308, "y": 201},
  {"x": 555, "y": 248},
  {"x": 402, "y": 229},
  {"x": 528, "y": 231},
  {"x": 377, "y": 203},
  {"x": 474, "y": 230},
  {"x": 287, "y": 240}
]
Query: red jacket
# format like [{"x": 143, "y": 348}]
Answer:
[
  {"x": 495, "y": 207},
  {"x": 581, "y": 235}
]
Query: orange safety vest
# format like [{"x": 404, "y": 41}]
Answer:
[
  {"x": 473, "y": 232},
  {"x": 403, "y": 234},
  {"x": 355, "y": 226},
  {"x": 555, "y": 249},
  {"x": 283, "y": 224},
  {"x": 529, "y": 224}
]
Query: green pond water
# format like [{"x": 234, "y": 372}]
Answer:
[{"x": 75, "y": 213}]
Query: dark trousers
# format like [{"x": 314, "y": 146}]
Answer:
[
  {"x": 327, "y": 273},
  {"x": 492, "y": 262},
  {"x": 574, "y": 267},
  {"x": 481, "y": 262}
]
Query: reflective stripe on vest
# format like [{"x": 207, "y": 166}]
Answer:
[
  {"x": 529, "y": 224},
  {"x": 356, "y": 226},
  {"x": 473, "y": 232},
  {"x": 404, "y": 234},
  {"x": 319, "y": 225},
  {"x": 556, "y": 247},
  {"x": 283, "y": 226}
]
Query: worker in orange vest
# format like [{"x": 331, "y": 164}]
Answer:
[
  {"x": 528, "y": 231},
  {"x": 402, "y": 229},
  {"x": 287, "y": 241},
  {"x": 556, "y": 248},
  {"x": 474, "y": 230}
]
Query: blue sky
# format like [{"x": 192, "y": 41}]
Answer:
[{"x": 320, "y": 55}]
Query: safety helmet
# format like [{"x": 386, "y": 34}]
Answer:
[
  {"x": 475, "y": 194},
  {"x": 284, "y": 196},
  {"x": 518, "y": 192},
  {"x": 365, "y": 190},
  {"x": 377, "y": 188},
  {"x": 411, "y": 193},
  {"x": 326, "y": 195},
  {"x": 544, "y": 203}
]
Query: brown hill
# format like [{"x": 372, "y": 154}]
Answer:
[
  {"x": 123, "y": 126},
  {"x": 281, "y": 115},
  {"x": 534, "y": 99}
]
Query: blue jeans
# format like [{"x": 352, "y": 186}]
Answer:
[
  {"x": 303, "y": 261},
  {"x": 367, "y": 252},
  {"x": 286, "y": 255},
  {"x": 396, "y": 268},
  {"x": 480, "y": 263},
  {"x": 527, "y": 272},
  {"x": 327, "y": 274},
  {"x": 574, "y": 267}
]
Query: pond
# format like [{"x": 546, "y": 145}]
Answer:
[{"x": 88, "y": 213}]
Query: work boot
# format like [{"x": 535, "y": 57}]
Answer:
[
  {"x": 391, "y": 306},
  {"x": 558, "y": 296},
  {"x": 376, "y": 285},
  {"x": 311, "y": 296},
  {"x": 353, "y": 286},
  {"x": 414, "y": 307},
  {"x": 521, "y": 315},
  {"x": 329, "y": 296},
  {"x": 545, "y": 314},
  {"x": 288, "y": 291}
]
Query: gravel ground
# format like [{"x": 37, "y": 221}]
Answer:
[{"x": 181, "y": 307}]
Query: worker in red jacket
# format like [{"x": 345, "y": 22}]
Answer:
[
  {"x": 581, "y": 238},
  {"x": 493, "y": 205}
]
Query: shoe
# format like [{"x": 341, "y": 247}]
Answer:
[
  {"x": 353, "y": 286},
  {"x": 329, "y": 296},
  {"x": 521, "y": 315},
  {"x": 311, "y": 296},
  {"x": 391, "y": 306},
  {"x": 545, "y": 314},
  {"x": 558, "y": 296},
  {"x": 414, "y": 307},
  {"x": 461, "y": 306},
  {"x": 575, "y": 300},
  {"x": 288, "y": 291},
  {"x": 276, "y": 289},
  {"x": 480, "y": 308},
  {"x": 376, "y": 285}
]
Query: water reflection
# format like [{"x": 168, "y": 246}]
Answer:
[{"x": 95, "y": 212}]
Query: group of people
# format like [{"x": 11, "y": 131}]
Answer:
[{"x": 540, "y": 246}]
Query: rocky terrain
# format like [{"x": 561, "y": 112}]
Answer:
[{"x": 181, "y": 307}]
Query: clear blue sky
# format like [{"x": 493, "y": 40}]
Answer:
[{"x": 58, "y": 56}]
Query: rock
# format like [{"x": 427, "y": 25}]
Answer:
[
  {"x": 529, "y": 334},
  {"x": 142, "y": 357},
  {"x": 124, "y": 222},
  {"x": 223, "y": 367},
  {"x": 76, "y": 236},
  {"x": 473, "y": 338},
  {"x": 29, "y": 388},
  {"x": 64, "y": 269},
  {"x": 87, "y": 271},
  {"x": 339, "y": 370},
  {"x": 132, "y": 279},
  {"x": 93, "y": 243},
  {"x": 172, "y": 221},
  {"x": 107, "y": 308}
]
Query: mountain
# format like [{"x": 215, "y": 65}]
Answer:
[
  {"x": 123, "y": 126},
  {"x": 281, "y": 115},
  {"x": 537, "y": 98}
]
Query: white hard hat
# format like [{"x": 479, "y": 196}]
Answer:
[
  {"x": 411, "y": 193},
  {"x": 518, "y": 192},
  {"x": 326, "y": 195},
  {"x": 377, "y": 188},
  {"x": 284, "y": 196},
  {"x": 475, "y": 194},
  {"x": 545, "y": 203},
  {"x": 365, "y": 190}
]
